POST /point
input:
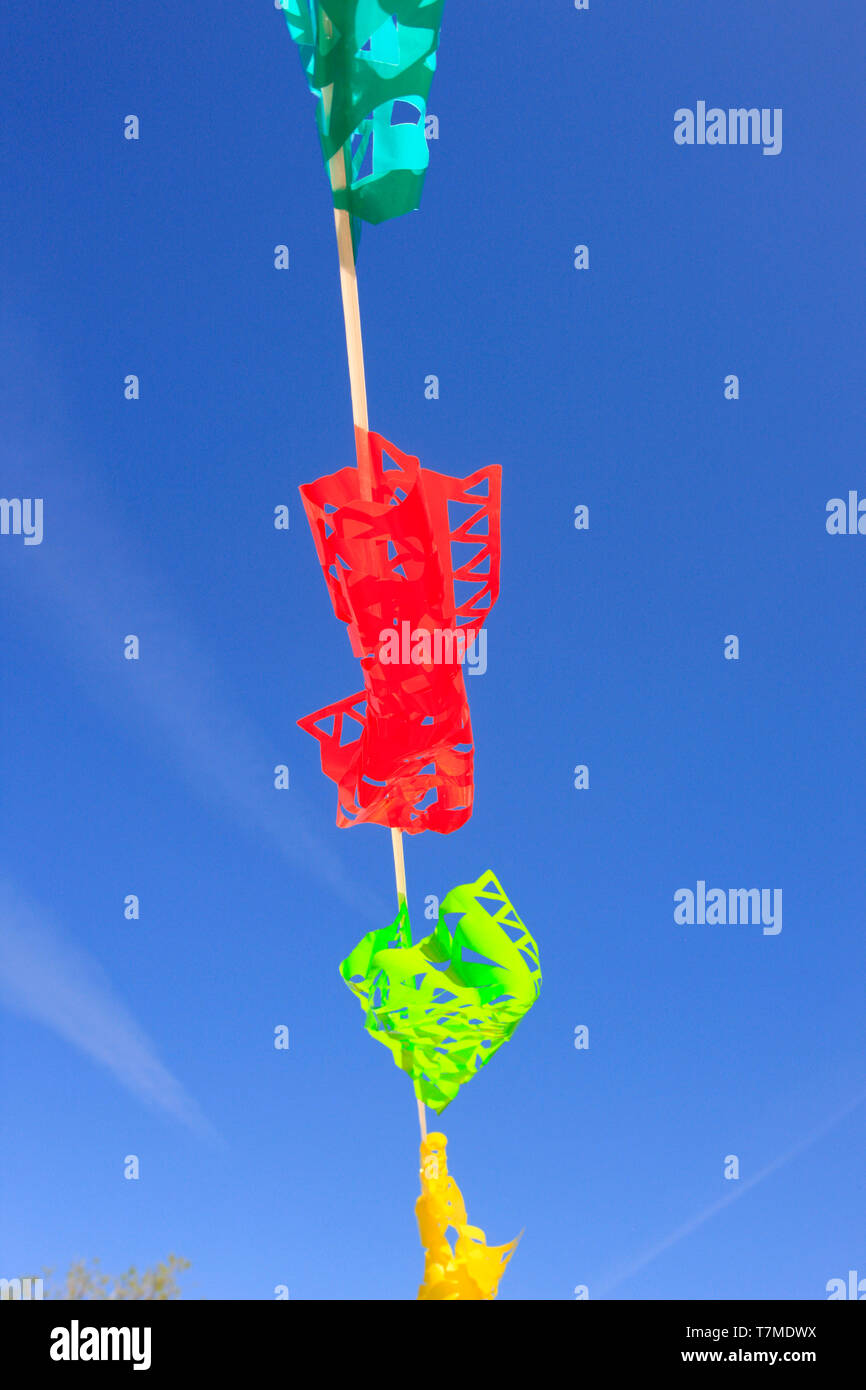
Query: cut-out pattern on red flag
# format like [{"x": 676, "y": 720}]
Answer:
[{"x": 400, "y": 750}]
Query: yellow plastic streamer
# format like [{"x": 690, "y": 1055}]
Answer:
[{"x": 472, "y": 1269}]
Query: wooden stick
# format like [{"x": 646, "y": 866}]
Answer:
[
  {"x": 358, "y": 385},
  {"x": 351, "y": 305},
  {"x": 400, "y": 876},
  {"x": 351, "y": 314},
  {"x": 399, "y": 864}
]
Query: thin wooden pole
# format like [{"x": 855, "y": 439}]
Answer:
[
  {"x": 400, "y": 877},
  {"x": 351, "y": 312},
  {"x": 399, "y": 864},
  {"x": 358, "y": 386},
  {"x": 357, "y": 383},
  {"x": 351, "y": 305}
]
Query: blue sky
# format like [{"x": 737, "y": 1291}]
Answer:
[{"x": 707, "y": 518}]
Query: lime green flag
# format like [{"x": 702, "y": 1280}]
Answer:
[
  {"x": 445, "y": 1005},
  {"x": 370, "y": 66}
]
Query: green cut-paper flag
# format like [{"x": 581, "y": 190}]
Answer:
[
  {"x": 370, "y": 65},
  {"x": 446, "y": 1004}
]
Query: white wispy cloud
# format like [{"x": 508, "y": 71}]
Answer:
[
  {"x": 47, "y": 978},
  {"x": 98, "y": 587},
  {"x": 738, "y": 1189}
]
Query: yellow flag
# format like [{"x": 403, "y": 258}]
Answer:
[{"x": 471, "y": 1270}]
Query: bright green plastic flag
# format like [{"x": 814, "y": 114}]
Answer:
[
  {"x": 371, "y": 64},
  {"x": 442, "y": 1009}
]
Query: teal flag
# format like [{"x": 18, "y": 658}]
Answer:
[{"x": 370, "y": 65}]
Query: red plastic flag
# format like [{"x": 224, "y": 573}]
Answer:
[{"x": 400, "y": 750}]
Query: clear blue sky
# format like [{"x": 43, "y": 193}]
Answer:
[{"x": 707, "y": 517}]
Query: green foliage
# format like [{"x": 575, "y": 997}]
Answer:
[
  {"x": 160, "y": 1282},
  {"x": 85, "y": 1282}
]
